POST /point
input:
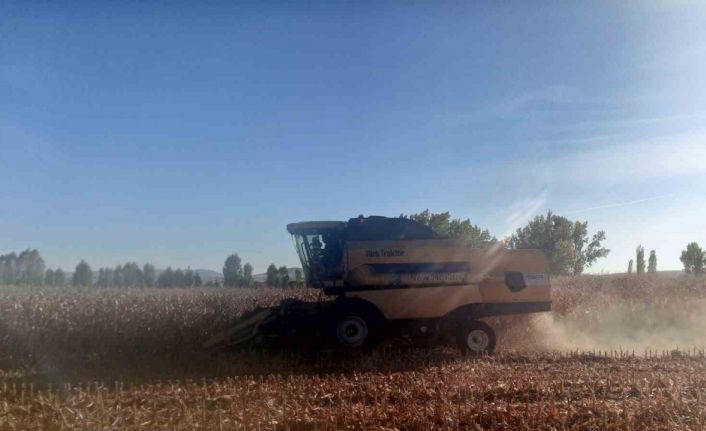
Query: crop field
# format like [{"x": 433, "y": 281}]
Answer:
[{"x": 615, "y": 353}]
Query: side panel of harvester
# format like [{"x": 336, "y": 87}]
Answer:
[{"x": 430, "y": 278}]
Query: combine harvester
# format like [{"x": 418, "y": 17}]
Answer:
[{"x": 389, "y": 277}]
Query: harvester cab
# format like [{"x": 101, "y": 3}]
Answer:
[
  {"x": 395, "y": 276},
  {"x": 320, "y": 249},
  {"x": 321, "y": 245}
]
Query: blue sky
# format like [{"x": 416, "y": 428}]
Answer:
[{"x": 179, "y": 132}]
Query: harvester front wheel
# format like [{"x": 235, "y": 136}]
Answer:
[
  {"x": 476, "y": 338},
  {"x": 352, "y": 332}
]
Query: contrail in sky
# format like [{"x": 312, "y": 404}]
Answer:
[{"x": 621, "y": 204}]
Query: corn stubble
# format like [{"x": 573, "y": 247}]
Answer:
[{"x": 130, "y": 359}]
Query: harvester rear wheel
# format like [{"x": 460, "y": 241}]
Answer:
[{"x": 476, "y": 338}]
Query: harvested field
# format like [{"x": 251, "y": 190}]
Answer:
[
  {"x": 616, "y": 353},
  {"x": 538, "y": 391}
]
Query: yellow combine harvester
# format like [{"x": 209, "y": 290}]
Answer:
[{"x": 396, "y": 277}]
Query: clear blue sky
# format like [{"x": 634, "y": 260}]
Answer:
[{"x": 179, "y": 132}]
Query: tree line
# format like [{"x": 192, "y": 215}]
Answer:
[
  {"x": 567, "y": 244},
  {"x": 279, "y": 277},
  {"x": 640, "y": 259},
  {"x": 28, "y": 268},
  {"x": 237, "y": 275},
  {"x": 129, "y": 274},
  {"x": 693, "y": 258}
]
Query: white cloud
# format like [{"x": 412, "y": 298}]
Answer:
[
  {"x": 554, "y": 95},
  {"x": 616, "y": 205},
  {"x": 683, "y": 119},
  {"x": 674, "y": 156},
  {"x": 523, "y": 102}
]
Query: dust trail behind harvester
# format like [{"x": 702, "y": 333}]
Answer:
[{"x": 605, "y": 313}]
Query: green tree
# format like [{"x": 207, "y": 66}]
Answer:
[
  {"x": 565, "y": 243},
  {"x": 59, "y": 277},
  {"x": 282, "y": 276},
  {"x": 49, "y": 277},
  {"x": 189, "y": 278},
  {"x": 247, "y": 275},
  {"x": 102, "y": 278},
  {"x": 149, "y": 274},
  {"x": 271, "y": 279},
  {"x": 118, "y": 279},
  {"x": 693, "y": 259},
  {"x": 630, "y": 267},
  {"x": 564, "y": 257},
  {"x": 179, "y": 278},
  {"x": 652, "y": 262},
  {"x": 30, "y": 268},
  {"x": 640, "y": 259},
  {"x": 233, "y": 271},
  {"x": 83, "y": 275},
  {"x": 444, "y": 225},
  {"x": 8, "y": 268},
  {"x": 109, "y": 277},
  {"x": 132, "y": 275},
  {"x": 166, "y": 278},
  {"x": 298, "y": 276}
]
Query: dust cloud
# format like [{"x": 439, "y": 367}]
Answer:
[{"x": 613, "y": 313}]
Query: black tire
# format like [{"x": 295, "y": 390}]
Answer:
[
  {"x": 352, "y": 332},
  {"x": 355, "y": 327},
  {"x": 476, "y": 338}
]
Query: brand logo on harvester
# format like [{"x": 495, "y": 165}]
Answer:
[
  {"x": 384, "y": 252},
  {"x": 442, "y": 277}
]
